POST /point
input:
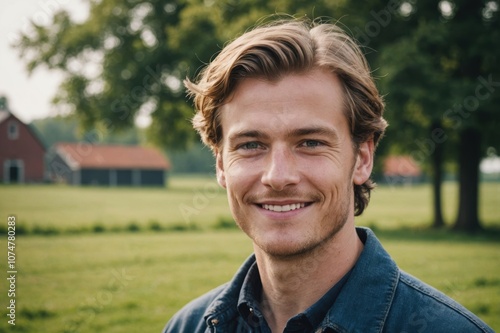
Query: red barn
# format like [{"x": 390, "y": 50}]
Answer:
[
  {"x": 21, "y": 151},
  {"x": 106, "y": 165},
  {"x": 402, "y": 170}
]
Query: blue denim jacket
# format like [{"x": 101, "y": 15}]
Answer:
[{"x": 377, "y": 297}]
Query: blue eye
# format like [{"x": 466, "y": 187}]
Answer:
[
  {"x": 311, "y": 143},
  {"x": 250, "y": 145}
]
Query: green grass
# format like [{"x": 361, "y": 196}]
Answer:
[
  {"x": 199, "y": 202},
  {"x": 115, "y": 282},
  {"x": 187, "y": 201},
  {"x": 409, "y": 206},
  {"x": 136, "y": 282},
  {"x": 136, "y": 279}
]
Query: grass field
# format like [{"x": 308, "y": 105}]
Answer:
[
  {"x": 187, "y": 201},
  {"x": 107, "y": 281},
  {"x": 199, "y": 202}
]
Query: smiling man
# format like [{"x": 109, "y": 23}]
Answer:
[{"x": 293, "y": 117}]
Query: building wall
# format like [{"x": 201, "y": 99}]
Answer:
[
  {"x": 57, "y": 170},
  {"x": 23, "y": 147},
  {"x": 95, "y": 177},
  {"x": 152, "y": 178},
  {"x": 122, "y": 177}
]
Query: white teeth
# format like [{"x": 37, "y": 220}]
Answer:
[{"x": 285, "y": 208}]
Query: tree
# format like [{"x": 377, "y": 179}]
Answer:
[
  {"x": 120, "y": 62},
  {"x": 4, "y": 103},
  {"x": 385, "y": 26},
  {"x": 443, "y": 75},
  {"x": 130, "y": 57},
  {"x": 65, "y": 129}
]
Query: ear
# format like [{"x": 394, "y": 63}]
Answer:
[
  {"x": 364, "y": 163},
  {"x": 219, "y": 169}
]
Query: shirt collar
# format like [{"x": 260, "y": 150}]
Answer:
[
  {"x": 249, "y": 299},
  {"x": 251, "y": 291},
  {"x": 362, "y": 305}
]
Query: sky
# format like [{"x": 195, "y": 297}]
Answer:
[{"x": 29, "y": 96}]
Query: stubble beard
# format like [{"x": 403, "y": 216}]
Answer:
[{"x": 338, "y": 217}]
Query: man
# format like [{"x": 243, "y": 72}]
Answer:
[{"x": 293, "y": 117}]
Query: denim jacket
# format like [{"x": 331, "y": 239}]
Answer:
[{"x": 377, "y": 297}]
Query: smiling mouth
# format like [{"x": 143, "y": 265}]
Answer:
[{"x": 284, "y": 208}]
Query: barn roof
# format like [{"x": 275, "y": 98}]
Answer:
[
  {"x": 5, "y": 114},
  {"x": 86, "y": 155},
  {"x": 401, "y": 166}
]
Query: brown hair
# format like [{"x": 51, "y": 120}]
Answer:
[{"x": 286, "y": 47}]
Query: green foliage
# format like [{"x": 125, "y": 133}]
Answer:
[
  {"x": 33, "y": 314},
  {"x": 133, "y": 227},
  {"x": 196, "y": 159},
  {"x": 131, "y": 57},
  {"x": 4, "y": 103},
  {"x": 225, "y": 223},
  {"x": 439, "y": 67},
  {"x": 155, "y": 225},
  {"x": 438, "y": 72},
  {"x": 118, "y": 62},
  {"x": 45, "y": 230},
  {"x": 65, "y": 129},
  {"x": 98, "y": 227}
]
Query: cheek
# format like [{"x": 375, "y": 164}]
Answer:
[
  {"x": 240, "y": 178},
  {"x": 334, "y": 181}
]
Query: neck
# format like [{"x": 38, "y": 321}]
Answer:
[{"x": 292, "y": 284}]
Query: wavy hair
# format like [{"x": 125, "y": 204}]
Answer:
[{"x": 286, "y": 47}]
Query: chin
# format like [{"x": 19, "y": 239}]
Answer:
[
  {"x": 282, "y": 247},
  {"x": 294, "y": 243}
]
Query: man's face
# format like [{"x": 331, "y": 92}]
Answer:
[{"x": 288, "y": 162}]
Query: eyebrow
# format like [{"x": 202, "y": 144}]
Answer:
[
  {"x": 318, "y": 130},
  {"x": 254, "y": 134},
  {"x": 298, "y": 132}
]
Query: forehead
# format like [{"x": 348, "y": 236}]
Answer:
[{"x": 310, "y": 99}]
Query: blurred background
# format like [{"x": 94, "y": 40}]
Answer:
[{"x": 119, "y": 219}]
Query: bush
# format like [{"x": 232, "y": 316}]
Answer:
[
  {"x": 225, "y": 223},
  {"x": 133, "y": 227},
  {"x": 98, "y": 227},
  {"x": 155, "y": 225},
  {"x": 44, "y": 231}
]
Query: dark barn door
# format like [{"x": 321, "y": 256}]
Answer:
[{"x": 14, "y": 174}]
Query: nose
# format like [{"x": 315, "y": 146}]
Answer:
[{"x": 280, "y": 169}]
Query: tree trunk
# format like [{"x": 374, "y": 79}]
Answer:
[
  {"x": 437, "y": 179},
  {"x": 469, "y": 159}
]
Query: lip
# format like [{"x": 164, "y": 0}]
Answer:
[
  {"x": 282, "y": 202},
  {"x": 278, "y": 215}
]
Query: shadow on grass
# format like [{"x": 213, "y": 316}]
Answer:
[{"x": 420, "y": 234}]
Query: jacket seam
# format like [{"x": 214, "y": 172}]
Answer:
[
  {"x": 449, "y": 305},
  {"x": 390, "y": 300}
]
